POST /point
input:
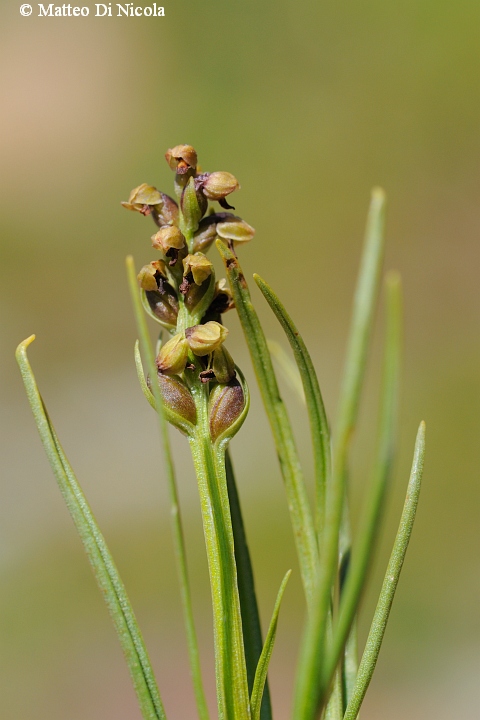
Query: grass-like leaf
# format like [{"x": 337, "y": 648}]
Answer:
[
  {"x": 262, "y": 668},
  {"x": 310, "y": 694},
  {"x": 370, "y": 523},
  {"x": 102, "y": 563},
  {"x": 300, "y": 511},
  {"x": 177, "y": 530},
  {"x": 252, "y": 633},
  {"x": 382, "y": 612},
  {"x": 288, "y": 369},
  {"x": 316, "y": 409}
]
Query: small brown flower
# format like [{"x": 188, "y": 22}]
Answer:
[
  {"x": 181, "y": 158},
  {"x": 217, "y": 185},
  {"x": 149, "y": 274},
  {"x": 199, "y": 266},
  {"x": 143, "y": 198},
  {"x": 204, "y": 339},
  {"x": 168, "y": 237}
]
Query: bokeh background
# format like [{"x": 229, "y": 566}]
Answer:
[{"x": 309, "y": 105}]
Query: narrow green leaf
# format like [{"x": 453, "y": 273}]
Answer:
[
  {"x": 141, "y": 377},
  {"x": 310, "y": 695},
  {"x": 252, "y": 633},
  {"x": 316, "y": 410},
  {"x": 350, "y": 659},
  {"x": 102, "y": 563},
  {"x": 350, "y": 664},
  {"x": 382, "y": 612},
  {"x": 177, "y": 529},
  {"x": 365, "y": 301},
  {"x": 263, "y": 663},
  {"x": 300, "y": 512},
  {"x": 334, "y": 709},
  {"x": 288, "y": 368},
  {"x": 370, "y": 523}
]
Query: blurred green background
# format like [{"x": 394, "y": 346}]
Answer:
[{"x": 309, "y": 105}]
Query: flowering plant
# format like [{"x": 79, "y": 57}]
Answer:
[{"x": 193, "y": 383}]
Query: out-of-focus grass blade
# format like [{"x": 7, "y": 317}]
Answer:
[
  {"x": 350, "y": 664},
  {"x": 316, "y": 410},
  {"x": 252, "y": 633},
  {"x": 300, "y": 512},
  {"x": 382, "y": 612},
  {"x": 362, "y": 321},
  {"x": 102, "y": 563},
  {"x": 370, "y": 523},
  {"x": 177, "y": 530},
  {"x": 262, "y": 668},
  {"x": 310, "y": 694},
  {"x": 287, "y": 368}
]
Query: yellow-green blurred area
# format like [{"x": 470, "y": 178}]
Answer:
[{"x": 309, "y": 104}]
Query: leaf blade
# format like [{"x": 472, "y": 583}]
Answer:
[
  {"x": 252, "y": 634},
  {"x": 263, "y": 663},
  {"x": 300, "y": 512},
  {"x": 397, "y": 557},
  {"x": 97, "y": 551},
  {"x": 309, "y": 694},
  {"x": 369, "y": 525},
  {"x": 319, "y": 429}
]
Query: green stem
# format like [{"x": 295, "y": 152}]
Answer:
[
  {"x": 384, "y": 605},
  {"x": 230, "y": 669},
  {"x": 176, "y": 520}
]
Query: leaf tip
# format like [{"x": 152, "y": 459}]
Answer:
[
  {"x": 130, "y": 264},
  {"x": 393, "y": 279},
  {"x": 379, "y": 195},
  {"x": 21, "y": 349}
]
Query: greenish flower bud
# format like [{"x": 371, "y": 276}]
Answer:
[
  {"x": 193, "y": 205},
  {"x": 178, "y": 399},
  {"x": 149, "y": 275},
  {"x": 163, "y": 303},
  {"x": 217, "y": 185},
  {"x": 225, "y": 406},
  {"x": 181, "y": 158},
  {"x": 168, "y": 215},
  {"x": 172, "y": 357},
  {"x": 206, "y": 233},
  {"x": 143, "y": 198},
  {"x": 199, "y": 266},
  {"x": 223, "y": 366},
  {"x": 235, "y": 230},
  {"x": 167, "y": 238},
  {"x": 204, "y": 339}
]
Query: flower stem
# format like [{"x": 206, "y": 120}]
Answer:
[{"x": 230, "y": 669}]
